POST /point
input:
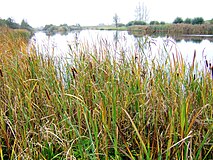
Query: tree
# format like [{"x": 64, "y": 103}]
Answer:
[
  {"x": 25, "y": 25},
  {"x": 139, "y": 23},
  {"x": 198, "y": 20},
  {"x": 162, "y": 23},
  {"x": 131, "y": 23},
  {"x": 154, "y": 23},
  {"x": 178, "y": 20},
  {"x": 3, "y": 22},
  {"x": 12, "y": 24},
  {"x": 116, "y": 20},
  {"x": 188, "y": 21},
  {"x": 142, "y": 13}
]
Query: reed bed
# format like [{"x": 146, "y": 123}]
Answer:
[
  {"x": 172, "y": 29},
  {"x": 98, "y": 107}
]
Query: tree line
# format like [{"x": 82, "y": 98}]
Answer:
[
  {"x": 178, "y": 20},
  {"x": 142, "y": 17},
  {"x": 10, "y": 23},
  {"x": 48, "y": 29},
  {"x": 51, "y": 29}
]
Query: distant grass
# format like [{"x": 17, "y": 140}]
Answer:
[
  {"x": 172, "y": 29},
  {"x": 123, "y": 28},
  {"x": 98, "y": 107}
]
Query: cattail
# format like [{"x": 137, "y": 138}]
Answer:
[
  {"x": 48, "y": 96},
  {"x": 1, "y": 73},
  {"x": 90, "y": 65},
  {"x": 193, "y": 62},
  {"x": 74, "y": 72},
  {"x": 194, "y": 76},
  {"x": 93, "y": 76},
  {"x": 211, "y": 70},
  {"x": 207, "y": 65}
]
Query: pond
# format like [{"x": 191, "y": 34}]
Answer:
[{"x": 117, "y": 41}]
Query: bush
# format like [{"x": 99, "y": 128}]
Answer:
[
  {"x": 178, "y": 20},
  {"x": 154, "y": 23},
  {"x": 11, "y": 23},
  {"x": 121, "y": 24},
  {"x": 188, "y": 21},
  {"x": 3, "y": 22},
  {"x": 139, "y": 23},
  {"x": 132, "y": 23},
  {"x": 162, "y": 23},
  {"x": 198, "y": 20},
  {"x": 211, "y": 21},
  {"x": 25, "y": 25}
]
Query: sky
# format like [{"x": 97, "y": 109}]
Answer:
[{"x": 93, "y": 12}]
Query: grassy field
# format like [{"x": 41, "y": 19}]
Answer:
[
  {"x": 98, "y": 107},
  {"x": 172, "y": 29}
]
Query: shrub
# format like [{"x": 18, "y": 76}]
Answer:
[
  {"x": 139, "y": 23},
  {"x": 198, "y": 20},
  {"x": 3, "y": 22},
  {"x": 188, "y": 21},
  {"x": 162, "y": 23},
  {"x": 120, "y": 24},
  {"x": 154, "y": 23},
  {"x": 178, "y": 20},
  {"x": 132, "y": 23}
]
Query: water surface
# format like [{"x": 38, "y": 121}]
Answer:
[{"x": 121, "y": 41}]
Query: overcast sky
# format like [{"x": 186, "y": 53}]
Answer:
[{"x": 93, "y": 12}]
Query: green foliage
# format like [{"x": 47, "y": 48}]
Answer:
[
  {"x": 198, "y": 20},
  {"x": 178, "y": 20},
  {"x": 154, "y": 23},
  {"x": 51, "y": 29},
  {"x": 188, "y": 21},
  {"x": 46, "y": 27},
  {"x": 25, "y": 25},
  {"x": 3, "y": 22},
  {"x": 132, "y": 23},
  {"x": 139, "y": 23},
  {"x": 121, "y": 25},
  {"x": 101, "y": 107},
  {"x": 162, "y": 23},
  {"x": 13, "y": 25}
]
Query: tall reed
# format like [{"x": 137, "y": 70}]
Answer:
[{"x": 99, "y": 107}]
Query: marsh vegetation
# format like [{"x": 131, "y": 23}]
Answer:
[{"x": 101, "y": 106}]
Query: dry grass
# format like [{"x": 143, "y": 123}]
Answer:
[
  {"x": 172, "y": 29},
  {"x": 100, "y": 108}
]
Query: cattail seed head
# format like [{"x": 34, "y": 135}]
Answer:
[
  {"x": 48, "y": 96},
  {"x": 207, "y": 65},
  {"x": 1, "y": 73}
]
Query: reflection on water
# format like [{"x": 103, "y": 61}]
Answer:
[
  {"x": 193, "y": 38},
  {"x": 117, "y": 42}
]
